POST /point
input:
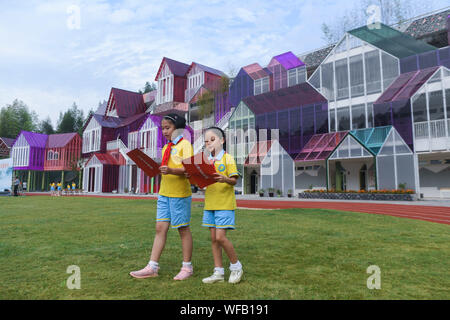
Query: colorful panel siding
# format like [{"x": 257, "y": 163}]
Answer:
[
  {"x": 440, "y": 57},
  {"x": 320, "y": 146},
  {"x": 242, "y": 87}
]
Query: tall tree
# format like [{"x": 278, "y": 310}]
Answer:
[
  {"x": 46, "y": 127},
  {"x": 70, "y": 121},
  {"x": 366, "y": 12},
  {"x": 16, "y": 117}
]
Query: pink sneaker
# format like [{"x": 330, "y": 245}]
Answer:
[
  {"x": 184, "y": 273},
  {"x": 147, "y": 272}
]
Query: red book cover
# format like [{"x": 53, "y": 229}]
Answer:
[
  {"x": 200, "y": 169},
  {"x": 144, "y": 162}
]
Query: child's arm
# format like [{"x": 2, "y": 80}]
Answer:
[
  {"x": 222, "y": 179},
  {"x": 174, "y": 171}
]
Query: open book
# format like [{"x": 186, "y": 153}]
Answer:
[
  {"x": 200, "y": 169},
  {"x": 144, "y": 162}
]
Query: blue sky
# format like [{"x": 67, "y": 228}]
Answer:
[{"x": 49, "y": 64}]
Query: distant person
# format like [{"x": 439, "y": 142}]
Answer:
[
  {"x": 16, "y": 186},
  {"x": 52, "y": 189},
  {"x": 59, "y": 185},
  {"x": 24, "y": 186}
]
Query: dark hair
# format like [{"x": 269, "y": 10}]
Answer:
[
  {"x": 178, "y": 121},
  {"x": 222, "y": 133}
]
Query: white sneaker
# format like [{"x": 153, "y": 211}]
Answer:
[
  {"x": 236, "y": 276},
  {"x": 216, "y": 277}
]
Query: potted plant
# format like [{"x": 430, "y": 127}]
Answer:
[
  {"x": 271, "y": 192},
  {"x": 261, "y": 192},
  {"x": 290, "y": 193},
  {"x": 279, "y": 193}
]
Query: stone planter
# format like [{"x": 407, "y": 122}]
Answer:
[
  {"x": 271, "y": 194},
  {"x": 358, "y": 196},
  {"x": 261, "y": 195}
]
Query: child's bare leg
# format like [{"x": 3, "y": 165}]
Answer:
[
  {"x": 226, "y": 244},
  {"x": 160, "y": 240},
  {"x": 216, "y": 249},
  {"x": 186, "y": 243}
]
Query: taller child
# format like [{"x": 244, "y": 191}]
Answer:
[{"x": 174, "y": 199}]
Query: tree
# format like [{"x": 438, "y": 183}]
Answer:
[
  {"x": 71, "y": 121},
  {"x": 148, "y": 87},
  {"x": 389, "y": 12},
  {"x": 16, "y": 117},
  {"x": 46, "y": 127}
]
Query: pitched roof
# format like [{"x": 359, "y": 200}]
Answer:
[
  {"x": 207, "y": 69},
  {"x": 314, "y": 59},
  {"x": 128, "y": 103},
  {"x": 320, "y": 146},
  {"x": 406, "y": 85},
  {"x": 285, "y": 98},
  {"x": 255, "y": 71},
  {"x": 177, "y": 68},
  {"x": 105, "y": 158},
  {"x": 36, "y": 140},
  {"x": 60, "y": 140},
  {"x": 288, "y": 60},
  {"x": 424, "y": 26},
  {"x": 392, "y": 41},
  {"x": 7, "y": 141}
]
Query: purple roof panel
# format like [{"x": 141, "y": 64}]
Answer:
[
  {"x": 406, "y": 85},
  {"x": 36, "y": 140},
  {"x": 286, "y": 98},
  {"x": 289, "y": 60},
  {"x": 255, "y": 71},
  {"x": 207, "y": 69}
]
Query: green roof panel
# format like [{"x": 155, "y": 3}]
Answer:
[{"x": 391, "y": 41}]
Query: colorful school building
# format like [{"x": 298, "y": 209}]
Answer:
[
  {"x": 371, "y": 112},
  {"x": 40, "y": 159}
]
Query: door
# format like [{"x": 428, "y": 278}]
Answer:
[
  {"x": 91, "y": 179},
  {"x": 253, "y": 182},
  {"x": 363, "y": 178},
  {"x": 133, "y": 178}
]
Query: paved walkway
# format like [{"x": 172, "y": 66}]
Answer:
[{"x": 437, "y": 211}]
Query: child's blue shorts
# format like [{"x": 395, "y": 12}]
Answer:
[
  {"x": 177, "y": 211},
  {"x": 219, "y": 219},
  {"x": 52, "y": 188}
]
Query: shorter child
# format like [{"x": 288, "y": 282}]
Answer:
[{"x": 220, "y": 203}]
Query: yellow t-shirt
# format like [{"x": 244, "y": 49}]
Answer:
[
  {"x": 220, "y": 196},
  {"x": 174, "y": 186}
]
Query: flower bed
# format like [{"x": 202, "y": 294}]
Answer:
[{"x": 380, "y": 195}]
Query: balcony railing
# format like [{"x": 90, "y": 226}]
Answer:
[
  {"x": 432, "y": 129},
  {"x": 189, "y": 93},
  {"x": 112, "y": 145}
]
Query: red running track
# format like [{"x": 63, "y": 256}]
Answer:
[{"x": 419, "y": 212}]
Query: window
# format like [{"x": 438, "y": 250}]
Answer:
[
  {"x": 447, "y": 101},
  {"x": 296, "y": 76},
  {"x": 332, "y": 120},
  {"x": 262, "y": 85},
  {"x": 50, "y": 155},
  {"x": 370, "y": 123},
  {"x": 56, "y": 156},
  {"x": 436, "y": 105},
  {"x": 328, "y": 81},
  {"x": 358, "y": 116},
  {"x": 373, "y": 72},
  {"x": 342, "y": 79},
  {"x": 314, "y": 80},
  {"x": 390, "y": 69},
  {"x": 420, "y": 108},
  {"x": 343, "y": 119},
  {"x": 357, "y": 76}
]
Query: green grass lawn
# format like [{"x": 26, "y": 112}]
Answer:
[{"x": 286, "y": 254}]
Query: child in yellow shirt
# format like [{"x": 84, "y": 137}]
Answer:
[
  {"x": 220, "y": 204},
  {"x": 174, "y": 199}
]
